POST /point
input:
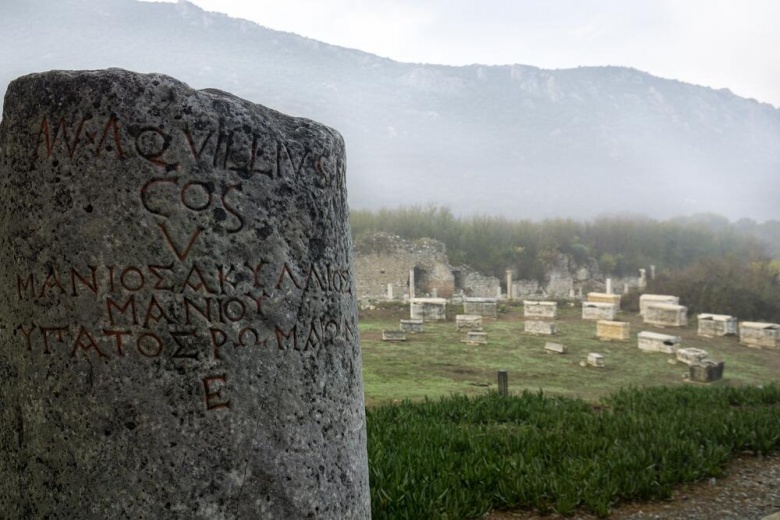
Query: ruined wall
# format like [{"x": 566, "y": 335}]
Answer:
[{"x": 383, "y": 258}]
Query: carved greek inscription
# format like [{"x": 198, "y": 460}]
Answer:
[
  {"x": 242, "y": 150},
  {"x": 185, "y": 312},
  {"x": 179, "y": 308}
]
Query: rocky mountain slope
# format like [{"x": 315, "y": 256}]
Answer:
[{"x": 513, "y": 140}]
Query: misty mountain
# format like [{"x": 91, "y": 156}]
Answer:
[{"x": 513, "y": 140}]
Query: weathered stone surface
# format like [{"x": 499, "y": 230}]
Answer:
[
  {"x": 759, "y": 334},
  {"x": 393, "y": 335},
  {"x": 475, "y": 338},
  {"x": 178, "y": 324},
  {"x": 595, "y": 297},
  {"x": 555, "y": 348},
  {"x": 613, "y": 330},
  {"x": 691, "y": 356},
  {"x": 598, "y": 311},
  {"x": 486, "y": 307},
  {"x": 468, "y": 322},
  {"x": 711, "y": 325},
  {"x": 654, "y": 342},
  {"x": 706, "y": 371},
  {"x": 538, "y": 309},
  {"x": 596, "y": 360},
  {"x": 540, "y": 327},
  {"x": 412, "y": 326},
  {"x": 428, "y": 309},
  {"x": 666, "y": 315},
  {"x": 650, "y": 299}
]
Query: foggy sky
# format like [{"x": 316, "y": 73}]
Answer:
[{"x": 714, "y": 43}]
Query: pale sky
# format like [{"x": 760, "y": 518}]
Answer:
[{"x": 732, "y": 44}]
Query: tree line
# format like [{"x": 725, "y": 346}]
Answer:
[
  {"x": 620, "y": 244},
  {"x": 712, "y": 264}
]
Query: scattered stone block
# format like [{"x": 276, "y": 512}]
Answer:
[
  {"x": 486, "y": 307},
  {"x": 649, "y": 299},
  {"x": 555, "y": 348},
  {"x": 393, "y": 335},
  {"x": 596, "y": 360},
  {"x": 759, "y": 334},
  {"x": 468, "y": 322},
  {"x": 538, "y": 309},
  {"x": 428, "y": 309},
  {"x": 598, "y": 311},
  {"x": 655, "y": 342},
  {"x": 666, "y": 315},
  {"x": 712, "y": 325},
  {"x": 613, "y": 330},
  {"x": 475, "y": 338},
  {"x": 691, "y": 356},
  {"x": 541, "y": 327},
  {"x": 412, "y": 326},
  {"x": 120, "y": 188},
  {"x": 614, "y": 299},
  {"x": 706, "y": 371}
]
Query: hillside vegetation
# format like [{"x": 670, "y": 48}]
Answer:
[{"x": 712, "y": 264}]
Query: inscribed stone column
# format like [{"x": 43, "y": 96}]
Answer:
[
  {"x": 178, "y": 332},
  {"x": 509, "y": 295}
]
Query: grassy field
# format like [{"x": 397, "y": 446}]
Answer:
[{"x": 435, "y": 363}]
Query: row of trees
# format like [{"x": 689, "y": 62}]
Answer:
[{"x": 620, "y": 244}]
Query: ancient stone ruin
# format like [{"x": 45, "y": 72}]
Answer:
[
  {"x": 428, "y": 309},
  {"x": 538, "y": 309},
  {"x": 614, "y": 299},
  {"x": 555, "y": 348},
  {"x": 691, "y": 356},
  {"x": 759, "y": 334},
  {"x": 712, "y": 325},
  {"x": 177, "y": 307},
  {"x": 468, "y": 322},
  {"x": 412, "y": 326},
  {"x": 655, "y": 342},
  {"x": 613, "y": 330},
  {"x": 598, "y": 311},
  {"x": 393, "y": 335},
  {"x": 415, "y": 268},
  {"x": 666, "y": 315},
  {"x": 541, "y": 327},
  {"x": 596, "y": 360},
  {"x": 650, "y": 299},
  {"x": 706, "y": 371},
  {"x": 486, "y": 307},
  {"x": 475, "y": 338}
]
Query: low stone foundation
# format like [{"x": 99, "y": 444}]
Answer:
[
  {"x": 598, "y": 311},
  {"x": 537, "y": 309},
  {"x": 486, "y": 307},
  {"x": 691, "y": 356},
  {"x": 468, "y": 322},
  {"x": 541, "y": 327},
  {"x": 712, "y": 325},
  {"x": 475, "y": 338},
  {"x": 412, "y": 326},
  {"x": 613, "y": 330},
  {"x": 759, "y": 334},
  {"x": 596, "y": 360},
  {"x": 654, "y": 342},
  {"x": 594, "y": 297},
  {"x": 428, "y": 309},
  {"x": 554, "y": 348},
  {"x": 707, "y": 371},
  {"x": 393, "y": 335},
  {"x": 666, "y": 315}
]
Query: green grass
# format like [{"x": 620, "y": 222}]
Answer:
[
  {"x": 443, "y": 445},
  {"x": 460, "y": 457},
  {"x": 436, "y": 364}
]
